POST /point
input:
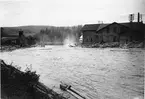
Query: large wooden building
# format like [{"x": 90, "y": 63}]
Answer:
[{"x": 114, "y": 32}]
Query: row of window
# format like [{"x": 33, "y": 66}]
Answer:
[
  {"x": 115, "y": 30},
  {"x": 89, "y": 40},
  {"x": 110, "y": 38}
]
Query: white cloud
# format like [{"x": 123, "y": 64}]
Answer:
[{"x": 66, "y": 12}]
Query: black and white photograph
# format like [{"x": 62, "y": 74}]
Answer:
[{"x": 72, "y": 49}]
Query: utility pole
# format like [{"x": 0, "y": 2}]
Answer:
[{"x": 131, "y": 17}]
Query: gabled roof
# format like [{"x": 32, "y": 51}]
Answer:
[
  {"x": 134, "y": 25},
  {"x": 90, "y": 27},
  {"x": 93, "y": 27},
  {"x": 102, "y": 26},
  {"x": 107, "y": 25},
  {"x": 98, "y": 27}
]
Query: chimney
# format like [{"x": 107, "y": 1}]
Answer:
[
  {"x": 138, "y": 17},
  {"x": 20, "y": 33}
]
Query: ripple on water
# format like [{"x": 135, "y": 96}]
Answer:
[{"x": 93, "y": 72}]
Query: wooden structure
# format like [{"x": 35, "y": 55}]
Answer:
[{"x": 114, "y": 32}]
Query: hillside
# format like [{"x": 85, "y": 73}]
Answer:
[
  {"x": 32, "y": 29},
  {"x": 28, "y": 30}
]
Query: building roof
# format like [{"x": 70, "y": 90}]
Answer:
[
  {"x": 93, "y": 27},
  {"x": 134, "y": 25},
  {"x": 97, "y": 27},
  {"x": 8, "y": 38},
  {"x": 102, "y": 26},
  {"x": 9, "y": 32},
  {"x": 106, "y": 25},
  {"x": 90, "y": 27}
]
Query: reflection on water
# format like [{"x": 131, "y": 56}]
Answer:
[{"x": 96, "y": 73}]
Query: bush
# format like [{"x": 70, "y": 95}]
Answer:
[{"x": 16, "y": 83}]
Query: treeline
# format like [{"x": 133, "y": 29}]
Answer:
[
  {"x": 42, "y": 34},
  {"x": 57, "y": 35}
]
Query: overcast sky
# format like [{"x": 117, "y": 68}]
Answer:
[{"x": 67, "y": 12}]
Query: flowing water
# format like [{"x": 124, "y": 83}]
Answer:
[{"x": 95, "y": 73}]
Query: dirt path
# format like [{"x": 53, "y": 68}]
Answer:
[{"x": 96, "y": 73}]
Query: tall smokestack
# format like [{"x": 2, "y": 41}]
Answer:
[{"x": 138, "y": 17}]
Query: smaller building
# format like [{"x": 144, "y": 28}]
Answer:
[
  {"x": 9, "y": 41},
  {"x": 15, "y": 39}
]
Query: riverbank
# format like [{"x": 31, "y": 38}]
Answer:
[
  {"x": 16, "y": 84},
  {"x": 115, "y": 45},
  {"x": 5, "y": 48}
]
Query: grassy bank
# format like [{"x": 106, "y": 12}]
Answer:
[
  {"x": 16, "y": 84},
  {"x": 134, "y": 44}
]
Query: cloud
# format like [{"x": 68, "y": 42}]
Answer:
[{"x": 66, "y": 12}]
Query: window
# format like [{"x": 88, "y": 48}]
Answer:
[
  {"x": 107, "y": 30},
  {"x": 115, "y": 29},
  {"x": 87, "y": 40},
  {"x": 114, "y": 39},
  {"x": 91, "y": 40},
  {"x": 118, "y": 29}
]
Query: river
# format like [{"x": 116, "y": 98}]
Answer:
[{"x": 109, "y": 73}]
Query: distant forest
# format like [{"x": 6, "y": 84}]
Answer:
[
  {"x": 59, "y": 34},
  {"x": 44, "y": 34}
]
